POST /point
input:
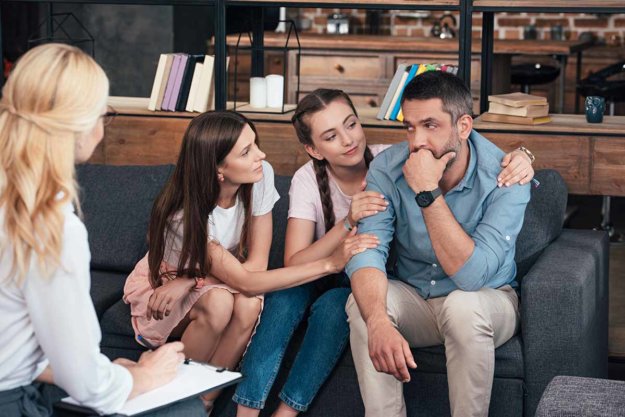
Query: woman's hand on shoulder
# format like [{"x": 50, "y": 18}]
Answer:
[
  {"x": 165, "y": 297},
  {"x": 517, "y": 168},
  {"x": 352, "y": 245},
  {"x": 365, "y": 204}
]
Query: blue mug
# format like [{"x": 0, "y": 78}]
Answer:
[{"x": 595, "y": 106}]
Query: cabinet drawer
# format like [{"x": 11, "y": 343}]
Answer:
[{"x": 345, "y": 66}]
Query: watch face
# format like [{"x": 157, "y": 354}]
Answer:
[{"x": 424, "y": 199}]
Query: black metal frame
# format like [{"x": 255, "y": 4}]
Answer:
[
  {"x": 257, "y": 49},
  {"x": 465, "y": 8},
  {"x": 488, "y": 19}
]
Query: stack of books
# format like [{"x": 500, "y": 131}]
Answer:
[
  {"x": 391, "y": 105},
  {"x": 517, "y": 108},
  {"x": 183, "y": 82}
]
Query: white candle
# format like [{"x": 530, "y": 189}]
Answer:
[
  {"x": 258, "y": 92},
  {"x": 275, "y": 90}
]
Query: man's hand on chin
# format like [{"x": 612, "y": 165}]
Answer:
[
  {"x": 389, "y": 351},
  {"x": 423, "y": 171}
]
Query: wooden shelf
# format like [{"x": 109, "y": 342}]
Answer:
[
  {"x": 568, "y": 124},
  {"x": 371, "y": 43},
  {"x": 138, "y": 106}
]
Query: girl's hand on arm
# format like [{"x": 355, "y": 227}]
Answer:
[
  {"x": 166, "y": 296},
  {"x": 352, "y": 245},
  {"x": 155, "y": 368},
  {"x": 517, "y": 168},
  {"x": 365, "y": 204}
]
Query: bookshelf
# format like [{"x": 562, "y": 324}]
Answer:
[{"x": 490, "y": 7}]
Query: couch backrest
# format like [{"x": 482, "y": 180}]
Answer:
[
  {"x": 116, "y": 202},
  {"x": 543, "y": 221}
]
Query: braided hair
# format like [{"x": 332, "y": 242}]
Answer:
[{"x": 309, "y": 105}]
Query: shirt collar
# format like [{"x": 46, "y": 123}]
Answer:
[{"x": 469, "y": 176}]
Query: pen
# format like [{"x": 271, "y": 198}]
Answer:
[
  {"x": 217, "y": 368},
  {"x": 145, "y": 343}
]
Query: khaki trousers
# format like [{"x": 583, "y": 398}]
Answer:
[{"x": 470, "y": 325}]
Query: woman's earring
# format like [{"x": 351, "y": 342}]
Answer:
[{"x": 220, "y": 177}]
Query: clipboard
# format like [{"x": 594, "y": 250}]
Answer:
[{"x": 193, "y": 378}]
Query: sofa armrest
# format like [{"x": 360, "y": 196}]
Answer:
[{"x": 564, "y": 312}]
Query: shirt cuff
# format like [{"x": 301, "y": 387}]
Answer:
[
  {"x": 469, "y": 277},
  {"x": 364, "y": 260}
]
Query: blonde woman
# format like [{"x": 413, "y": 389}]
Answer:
[{"x": 51, "y": 116}]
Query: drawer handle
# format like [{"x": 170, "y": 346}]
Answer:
[
  {"x": 372, "y": 103},
  {"x": 339, "y": 68}
]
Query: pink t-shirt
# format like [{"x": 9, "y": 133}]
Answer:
[{"x": 305, "y": 201}]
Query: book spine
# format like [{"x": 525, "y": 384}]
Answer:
[
  {"x": 391, "y": 91},
  {"x": 182, "y": 65},
  {"x": 195, "y": 81},
  {"x": 170, "y": 82},
  {"x": 160, "y": 71}
]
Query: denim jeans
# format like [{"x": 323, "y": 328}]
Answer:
[{"x": 325, "y": 339}]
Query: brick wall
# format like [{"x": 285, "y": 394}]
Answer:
[{"x": 507, "y": 25}]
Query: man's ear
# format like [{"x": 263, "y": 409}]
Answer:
[
  {"x": 313, "y": 152},
  {"x": 464, "y": 126}
]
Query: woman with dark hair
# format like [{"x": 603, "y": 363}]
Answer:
[
  {"x": 209, "y": 238},
  {"x": 327, "y": 199}
]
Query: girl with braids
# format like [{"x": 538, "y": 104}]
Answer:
[
  {"x": 209, "y": 238},
  {"x": 327, "y": 199},
  {"x": 52, "y": 113}
]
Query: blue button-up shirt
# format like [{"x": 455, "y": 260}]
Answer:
[{"x": 492, "y": 216}]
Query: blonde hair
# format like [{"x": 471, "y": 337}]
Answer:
[{"x": 54, "y": 96}]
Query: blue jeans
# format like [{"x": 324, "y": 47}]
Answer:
[{"x": 326, "y": 337}]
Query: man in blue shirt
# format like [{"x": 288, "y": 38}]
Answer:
[{"x": 452, "y": 231}]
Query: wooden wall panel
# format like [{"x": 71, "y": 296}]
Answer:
[
  {"x": 608, "y": 166},
  {"x": 569, "y": 155}
]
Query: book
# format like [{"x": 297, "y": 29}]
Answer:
[
  {"x": 193, "y": 378},
  {"x": 533, "y": 110},
  {"x": 397, "y": 110},
  {"x": 397, "y": 93},
  {"x": 170, "y": 82},
  {"x": 517, "y": 99},
  {"x": 171, "y": 106},
  {"x": 161, "y": 90},
  {"x": 504, "y": 118},
  {"x": 421, "y": 69},
  {"x": 195, "y": 81},
  {"x": 401, "y": 68},
  {"x": 158, "y": 80},
  {"x": 187, "y": 78},
  {"x": 200, "y": 104}
]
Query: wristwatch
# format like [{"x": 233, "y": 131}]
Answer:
[
  {"x": 425, "y": 198},
  {"x": 528, "y": 153}
]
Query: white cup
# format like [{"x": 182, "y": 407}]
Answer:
[
  {"x": 258, "y": 92},
  {"x": 275, "y": 90}
]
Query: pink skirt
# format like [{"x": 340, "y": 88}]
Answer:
[{"x": 137, "y": 293}]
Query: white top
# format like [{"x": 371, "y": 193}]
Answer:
[
  {"x": 225, "y": 224},
  {"x": 52, "y": 321},
  {"x": 305, "y": 201}
]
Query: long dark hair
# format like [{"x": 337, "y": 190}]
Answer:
[
  {"x": 309, "y": 105},
  {"x": 194, "y": 188}
]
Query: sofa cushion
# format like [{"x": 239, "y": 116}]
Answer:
[
  {"x": 106, "y": 289},
  {"x": 508, "y": 359},
  {"x": 544, "y": 217},
  {"x": 116, "y": 202},
  {"x": 280, "y": 216}
]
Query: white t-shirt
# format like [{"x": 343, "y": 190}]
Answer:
[
  {"x": 52, "y": 321},
  {"x": 225, "y": 224},
  {"x": 305, "y": 201}
]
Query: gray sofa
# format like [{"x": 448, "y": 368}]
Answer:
[
  {"x": 572, "y": 396},
  {"x": 564, "y": 297}
]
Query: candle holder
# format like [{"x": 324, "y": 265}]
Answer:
[{"x": 291, "y": 33}]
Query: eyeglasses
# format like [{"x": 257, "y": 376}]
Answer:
[{"x": 108, "y": 117}]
